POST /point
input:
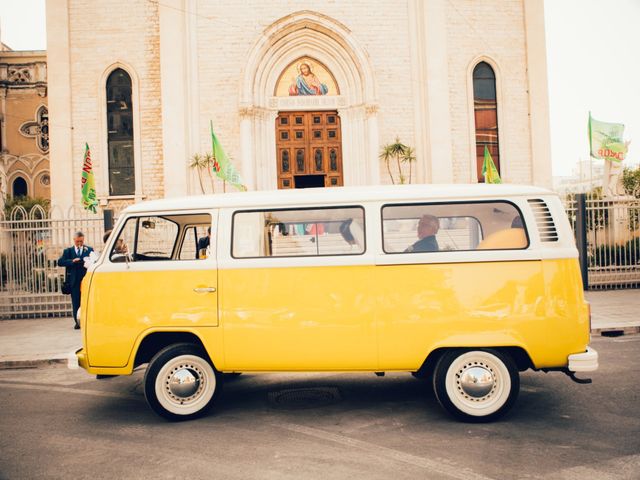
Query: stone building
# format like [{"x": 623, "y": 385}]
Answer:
[
  {"x": 300, "y": 94},
  {"x": 24, "y": 136}
]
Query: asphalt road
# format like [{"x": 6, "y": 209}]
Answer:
[{"x": 60, "y": 423}]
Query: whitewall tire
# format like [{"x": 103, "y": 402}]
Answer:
[
  {"x": 180, "y": 382},
  {"x": 476, "y": 385}
]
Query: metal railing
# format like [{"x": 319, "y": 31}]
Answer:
[
  {"x": 608, "y": 237},
  {"x": 30, "y": 244},
  {"x": 607, "y": 230}
]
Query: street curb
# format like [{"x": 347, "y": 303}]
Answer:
[
  {"x": 615, "y": 331},
  {"x": 10, "y": 364}
]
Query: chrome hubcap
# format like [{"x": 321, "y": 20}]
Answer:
[
  {"x": 184, "y": 383},
  {"x": 476, "y": 381}
]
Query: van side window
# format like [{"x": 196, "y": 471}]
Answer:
[
  {"x": 298, "y": 233},
  {"x": 195, "y": 236},
  {"x": 461, "y": 226},
  {"x": 162, "y": 237}
]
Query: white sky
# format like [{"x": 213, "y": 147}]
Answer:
[
  {"x": 593, "y": 52},
  {"x": 593, "y": 49}
]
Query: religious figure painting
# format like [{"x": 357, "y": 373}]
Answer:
[{"x": 306, "y": 76}]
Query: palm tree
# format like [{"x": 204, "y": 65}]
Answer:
[
  {"x": 208, "y": 158},
  {"x": 203, "y": 163},
  {"x": 409, "y": 157},
  {"x": 198, "y": 162},
  {"x": 394, "y": 151}
]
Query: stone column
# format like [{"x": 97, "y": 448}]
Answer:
[
  {"x": 192, "y": 89},
  {"x": 3, "y": 118},
  {"x": 438, "y": 106},
  {"x": 538, "y": 93},
  {"x": 373, "y": 141},
  {"x": 59, "y": 105},
  {"x": 248, "y": 169},
  {"x": 173, "y": 68}
]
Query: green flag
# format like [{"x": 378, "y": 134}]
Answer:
[
  {"x": 89, "y": 197},
  {"x": 489, "y": 170},
  {"x": 605, "y": 140},
  {"x": 222, "y": 164}
]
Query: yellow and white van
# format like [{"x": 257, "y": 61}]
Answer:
[{"x": 467, "y": 285}]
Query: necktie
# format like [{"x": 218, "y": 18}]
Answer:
[{"x": 77, "y": 252}]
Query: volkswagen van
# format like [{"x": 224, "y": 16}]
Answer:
[{"x": 464, "y": 285}]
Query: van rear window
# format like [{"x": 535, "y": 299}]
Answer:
[
  {"x": 459, "y": 226},
  {"x": 298, "y": 232}
]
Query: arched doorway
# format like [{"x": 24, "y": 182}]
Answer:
[
  {"x": 344, "y": 90},
  {"x": 19, "y": 187},
  {"x": 308, "y": 142}
]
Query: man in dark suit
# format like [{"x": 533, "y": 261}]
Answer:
[{"x": 72, "y": 260}]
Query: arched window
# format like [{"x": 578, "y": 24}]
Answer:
[
  {"x": 19, "y": 187},
  {"x": 485, "y": 109},
  {"x": 120, "y": 134}
]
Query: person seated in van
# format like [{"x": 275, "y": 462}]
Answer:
[
  {"x": 120, "y": 247},
  {"x": 428, "y": 227},
  {"x": 203, "y": 243}
]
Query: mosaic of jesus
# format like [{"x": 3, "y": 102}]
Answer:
[{"x": 306, "y": 76}]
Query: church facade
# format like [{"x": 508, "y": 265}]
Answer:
[
  {"x": 24, "y": 136},
  {"x": 299, "y": 94}
]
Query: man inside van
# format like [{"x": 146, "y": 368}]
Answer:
[
  {"x": 203, "y": 243},
  {"x": 428, "y": 226}
]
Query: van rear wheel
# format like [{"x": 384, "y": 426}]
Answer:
[
  {"x": 476, "y": 385},
  {"x": 180, "y": 383}
]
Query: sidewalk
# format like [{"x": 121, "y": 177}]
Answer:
[
  {"x": 617, "y": 310},
  {"x": 25, "y": 343},
  {"x": 33, "y": 342}
]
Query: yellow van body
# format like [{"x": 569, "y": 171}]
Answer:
[{"x": 372, "y": 312}]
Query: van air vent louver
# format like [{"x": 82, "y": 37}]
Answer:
[{"x": 546, "y": 227}]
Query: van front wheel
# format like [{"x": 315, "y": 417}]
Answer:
[
  {"x": 476, "y": 385},
  {"x": 180, "y": 383}
]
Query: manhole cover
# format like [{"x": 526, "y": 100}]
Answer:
[{"x": 299, "y": 398}]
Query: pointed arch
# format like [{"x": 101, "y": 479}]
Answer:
[
  {"x": 318, "y": 36},
  {"x": 311, "y": 34},
  {"x": 485, "y": 61},
  {"x": 101, "y": 153}
]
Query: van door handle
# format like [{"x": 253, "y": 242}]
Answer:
[{"x": 205, "y": 290}]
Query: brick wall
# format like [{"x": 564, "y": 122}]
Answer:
[
  {"x": 228, "y": 33},
  {"x": 102, "y": 33},
  {"x": 496, "y": 30}
]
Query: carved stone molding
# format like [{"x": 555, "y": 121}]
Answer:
[
  {"x": 251, "y": 111},
  {"x": 20, "y": 74},
  {"x": 38, "y": 128},
  {"x": 24, "y": 75},
  {"x": 371, "y": 109},
  {"x": 307, "y": 102}
]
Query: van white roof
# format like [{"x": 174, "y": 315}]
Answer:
[{"x": 344, "y": 195}]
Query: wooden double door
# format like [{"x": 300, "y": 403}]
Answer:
[{"x": 309, "y": 149}]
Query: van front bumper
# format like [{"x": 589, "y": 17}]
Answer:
[{"x": 584, "y": 362}]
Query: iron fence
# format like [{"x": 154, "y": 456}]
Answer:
[
  {"x": 607, "y": 230},
  {"x": 30, "y": 244},
  {"x": 608, "y": 237}
]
